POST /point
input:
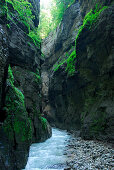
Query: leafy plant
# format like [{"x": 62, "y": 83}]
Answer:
[
  {"x": 24, "y": 10},
  {"x": 44, "y": 123},
  {"x": 35, "y": 38},
  {"x": 52, "y": 15},
  {"x": 59, "y": 64},
  {"x": 71, "y": 62},
  {"x": 8, "y": 25},
  {"x": 91, "y": 18}
]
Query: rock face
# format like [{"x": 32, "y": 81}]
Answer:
[
  {"x": 22, "y": 50},
  {"x": 64, "y": 36},
  {"x": 55, "y": 47},
  {"x": 35, "y": 11},
  {"x": 96, "y": 69},
  {"x": 30, "y": 84},
  {"x": 85, "y": 7},
  {"x": 21, "y": 121},
  {"x": 3, "y": 53},
  {"x": 85, "y": 99}
]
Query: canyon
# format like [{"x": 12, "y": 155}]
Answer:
[{"x": 67, "y": 80}]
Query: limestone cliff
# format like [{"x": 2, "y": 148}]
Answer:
[
  {"x": 80, "y": 93},
  {"x": 21, "y": 121}
]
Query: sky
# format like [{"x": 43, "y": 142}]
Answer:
[{"x": 45, "y": 3}]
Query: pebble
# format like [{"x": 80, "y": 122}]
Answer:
[{"x": 89, "y": 155}]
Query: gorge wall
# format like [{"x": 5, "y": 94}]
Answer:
[
  {"x": 80, "y": 93},
  {"x": 73, "y": 88},
  {"x": 21, "y": 121}
]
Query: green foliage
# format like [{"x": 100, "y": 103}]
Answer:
[
  {"x": 37, "y": 76},
  {"x": 10, "y": 75},
  {"x": 17, "y": 122},
  {"x": 8, "y": 25},
  {"x": 24, "y": 10},
  {"x": 59, "y": 64},
  {"x": 51, "y": 15},
  {"x": 42, "y": 56},
  {"x": 35, "y": 37},
  {"x": 71, "y": 62},
  {"x": 91, "y": 18},
  {"x": 44, "y": 123}
]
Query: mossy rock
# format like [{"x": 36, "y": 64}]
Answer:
[{"x": 17, "y": 124}]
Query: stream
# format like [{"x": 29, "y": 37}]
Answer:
[
  {"x": 49, "y": 154},
  {"x": 68, "y": 151}
]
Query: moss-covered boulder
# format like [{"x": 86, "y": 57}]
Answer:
[
  {"x": 24, "y": 123},
  {"x": 17, "y": 127},
  {"x": 30, "y": 84}
]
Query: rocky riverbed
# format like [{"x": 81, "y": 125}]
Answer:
[
  {"x": 89, "y": 155},
  {"x": 66, "y": 151}
]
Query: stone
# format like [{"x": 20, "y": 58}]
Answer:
[
  {"x": 18, "y": 49},
  {"x": 85, "y": 100}
]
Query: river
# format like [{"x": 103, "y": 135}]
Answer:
[{"x": 49, "y": 154}]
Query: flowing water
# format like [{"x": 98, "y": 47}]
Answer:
[{"x": 49, "y": 154}]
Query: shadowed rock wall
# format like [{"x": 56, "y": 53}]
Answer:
[
  {"x": 85, "y": 100},
  {"x": 21, "y": 121}
]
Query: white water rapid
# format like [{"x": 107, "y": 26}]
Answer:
[{"x": 49, "y": 154}]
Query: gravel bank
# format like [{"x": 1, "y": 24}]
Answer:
[{"x": 89, "y": 155}]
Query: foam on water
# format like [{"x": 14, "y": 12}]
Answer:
[{"x": 49, "y": 154}]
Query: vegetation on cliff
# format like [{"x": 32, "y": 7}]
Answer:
[
  {"x": 91, "y": 18},
  {"x": 88, "y": 22},
  {"x": 17, "y": 124},
  {"x": 24, "y": 10},
  {"x": 25, "y": 15},
  {"x": 51, "y": 15}
]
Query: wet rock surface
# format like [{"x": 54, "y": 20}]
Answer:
[
  {"x": 89, "y": 155},
  {"x": 57, "y": 105},
  {"x": 18, "y": 49},
  {"x": 85, "y": 100}
]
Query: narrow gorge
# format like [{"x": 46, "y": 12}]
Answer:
[{"x": 64, "y": 80}]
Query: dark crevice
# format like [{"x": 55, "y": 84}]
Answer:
[{"x": 3, "y": 96}]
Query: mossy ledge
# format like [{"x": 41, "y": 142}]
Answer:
[
  {"x": 88, "y": 23},
  {"x": 17, "y": 123}
]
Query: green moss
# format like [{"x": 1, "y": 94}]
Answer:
[
  {"x": 98, "y": 124},
  {"x": 43, "y": 56},
  {"x": 88, "y": 21},
  {"x": 91, "y": 18},
  {"x": 44, "y": 123},
  {"x": 24, "y": 10},
  {"x": 35, "y": 38},
  {"x": 59, "y": 64},
  {"x": 24, "y": 128},
  {"x": 10, "y": 75},
  {"x": 8, "y": 25},
  {"x": 37, "y": 76},
  {"x": 17, "y": 122},
  {"x": 71, "y": 62}
]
